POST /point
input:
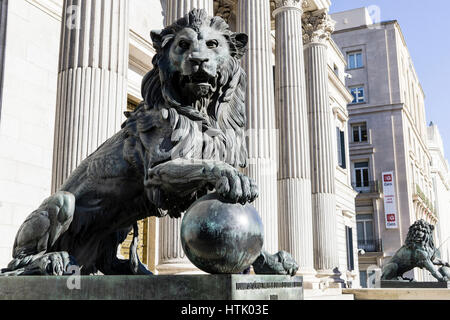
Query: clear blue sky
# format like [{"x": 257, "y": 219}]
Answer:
[{"x": 427, "y": 33}]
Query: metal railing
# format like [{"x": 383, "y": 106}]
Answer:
[
  {"x": 367, "y": 187},
  {"x": 371, "y": 245}
]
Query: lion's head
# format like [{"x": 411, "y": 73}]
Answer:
[
  {"x": 197, "y": 73},
  {"x": 420, "y": 233}
]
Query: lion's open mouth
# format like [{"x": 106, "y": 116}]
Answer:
[
  {"x": 196, "y": 91},
  {"x": 200, "y": 83}
]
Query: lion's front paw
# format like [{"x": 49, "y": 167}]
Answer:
[
  {"x": 288, "y": 263},
  {"x": 235, "y": 186},
  {"x": 280, "y": 263}
]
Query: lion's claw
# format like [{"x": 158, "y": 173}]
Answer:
[{"x": 234, "y": 186}]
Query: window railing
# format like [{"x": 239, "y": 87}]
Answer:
[
  {"x": 371, "y": 245},
  {"x": 367, "y": 187}
]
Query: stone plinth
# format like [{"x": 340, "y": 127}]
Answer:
[
  {"x": 161, "y": 287},
  {"x": 412, "y": 284}
]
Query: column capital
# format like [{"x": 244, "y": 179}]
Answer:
[
  {"x": 282, "y": 5},
  {"x": 317, "y": 27},
  {"x": 224, "y": 9}
]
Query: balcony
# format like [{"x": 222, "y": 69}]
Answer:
[
  {"x": 371, "y": 245},
  {"x": 367, "y": 187}
]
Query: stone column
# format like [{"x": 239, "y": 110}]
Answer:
[
  {"x": 317, "y": 28},
  {"x": 253, "y": 18},
  {"x": 176, "y": 9},
  {"x": 92, "y": 80},
  {"x": 172, "y": 259},
  {"x": 294, "y": 175}
]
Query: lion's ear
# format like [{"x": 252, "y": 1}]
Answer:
[
  {"x": 156, "y": 38},
  {"x": 240, "y": 41}
]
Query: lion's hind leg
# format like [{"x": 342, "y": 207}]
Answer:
[
  {"x": 390, "y": 272},
  {"x": 34, "y": 240}
]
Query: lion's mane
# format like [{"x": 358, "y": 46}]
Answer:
[
  {"x": 420, "y": 233},
  {"x": 223, "y": 128}
]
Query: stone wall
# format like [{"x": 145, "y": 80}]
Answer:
[{"x": 28, "y": 116}]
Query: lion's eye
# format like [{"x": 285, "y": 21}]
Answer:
[
  {"x": 184, "y": 44},
  {"x": 212, "y": 44}
]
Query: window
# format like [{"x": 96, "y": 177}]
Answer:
[
  {"x": 349, "y": 241},
  {"x": 358, "y": 94},
  {"x": 341, "y": 148},
  {"x": 364, "y": 227},
  {"x": 361, "y": 174},
  {"x": 354, "y": 60},
  {"x": 359, "y": 132}
]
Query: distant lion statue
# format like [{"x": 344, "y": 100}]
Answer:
[
  {"x": 185, "y": 139},
  {"x": 418, "y": 251}
]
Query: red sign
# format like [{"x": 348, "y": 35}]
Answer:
[
  {"x": 390, "y": 217},
  {"x": 390, "y": 206}
]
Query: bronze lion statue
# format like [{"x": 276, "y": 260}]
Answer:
[
  {"x": 185, "y": 139},
  {"x": 418, "y": 251}
]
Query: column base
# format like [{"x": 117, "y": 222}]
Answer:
[
  {"x": 330, "y": 279},
  {"x": 310, "y": 281}
]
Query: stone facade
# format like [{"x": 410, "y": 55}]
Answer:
[
  {"x": 440, "y": 175},
  {"x": 306, "y": 202},
  {"x": 387, "y": 134}
]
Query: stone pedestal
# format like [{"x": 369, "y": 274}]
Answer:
[
  {"x": 173, "y": 287},
  {"x": 92, "y": 81},
  {"x": 294, "y": 174},
  {"x": 412, "y": 284},
  {"x": 253, "y": 18}
]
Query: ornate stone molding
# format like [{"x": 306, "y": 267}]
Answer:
[
  {"x": 224, "y": 9},
  {"x": 317, "y": 27},
  {"x": 282, "y": 5}
]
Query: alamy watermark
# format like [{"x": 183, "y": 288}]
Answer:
[
  {"x": 74, "y": 280},
  {"x": 73, "y": 20},
  {"x": 375, "y": 15}
]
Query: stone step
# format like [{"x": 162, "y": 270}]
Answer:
[{"x": 332, "y": 297}]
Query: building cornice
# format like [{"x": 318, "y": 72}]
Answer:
[
  {"x": 339, "y": 85},
  {"x": 338, "y": 51},
  {"x": 364, "y": 108},
  {"x": 52, "y": 7},
  {"x": 364, "y": 26},
  {"x": 361, "y": 150}
]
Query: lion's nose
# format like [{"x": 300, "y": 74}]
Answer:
[{"x": 198, "y": 60}]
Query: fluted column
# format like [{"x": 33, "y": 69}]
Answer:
[
  {"x": 294, "y": 175},
  {"x": 317, "y": 28},
  {"x": 92, "y": 80},
  {"x": 171, "y": 255},
  {"x": 253, "y": 18},
  {"x": 176, "y": 9}
]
